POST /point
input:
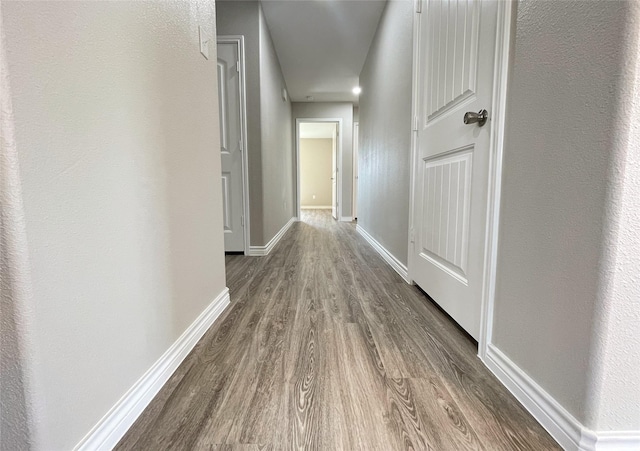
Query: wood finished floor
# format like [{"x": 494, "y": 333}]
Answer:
[{"x": 325, "y": 347}]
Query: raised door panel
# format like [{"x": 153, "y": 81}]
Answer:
[
  {"x": 446, "y": 201},
  {"x": 451, "y": 55}
]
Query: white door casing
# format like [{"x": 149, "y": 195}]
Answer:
[
  {"x": 334, "y": 173},
  {"x": 456, "y": 49},
  {"x": 232, "y": 143},
  {"x": 337, "y": 164},
  {"x": 356, "y": 131}
]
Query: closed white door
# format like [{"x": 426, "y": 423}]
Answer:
[
  {"x": 334, "y": 173},
  {"x": 229, "y": 95},
  {"x": 456, "y": 51}
]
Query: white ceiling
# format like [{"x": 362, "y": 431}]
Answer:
[
  {"x": 317, "y": 129},
  {"x": 322, "y": 44}
]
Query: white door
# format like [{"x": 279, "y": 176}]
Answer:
[
  {"x": 334, "y": 173},
  {"x": 229, "y": 93},
  {"x": 456, "y": 51}
]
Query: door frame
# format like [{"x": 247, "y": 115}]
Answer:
[
  {"x": 496, "y": 150},
  {"x": 239, "y": 41},
  {"x": 300, "y": 120},
  {"x": 354, "y": 165}
]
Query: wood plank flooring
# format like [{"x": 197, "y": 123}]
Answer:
[{"x": 325, "y": 347}]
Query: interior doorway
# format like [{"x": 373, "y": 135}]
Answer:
[
  {"x": 318, "y": 161},
  {"x": 233, "y": 143}
]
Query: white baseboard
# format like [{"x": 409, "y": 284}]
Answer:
[
  {"x": 258, "y": 251},
  {"x": 316, "y": 207},
  {"x": 562, "y": 426},
  {"x": 346, "y": 219},
  {"x": 396, "y": 264},
  {"x": 112, "y": 427},
  {"x": 610, "y": 441}
]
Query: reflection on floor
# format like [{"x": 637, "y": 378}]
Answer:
[{"x": 324, "y": 347}]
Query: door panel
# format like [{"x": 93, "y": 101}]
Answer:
[
  {"x": 456, "y": 49},
  {"x": 446, "y": 190},
  {"x": 230, "y": 111},
  {"x": 452, "y": 52}
]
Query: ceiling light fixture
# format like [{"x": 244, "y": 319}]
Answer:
[{"x": 357, "y": 90}]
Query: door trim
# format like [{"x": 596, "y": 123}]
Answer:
[
  {"x": 239, "y": 41},
  {"x": 354, "y": 165},
  {"x": 299, "y": 120},
  {"x": 496, "y": 146},
  {"x": 496, "y": 149}
]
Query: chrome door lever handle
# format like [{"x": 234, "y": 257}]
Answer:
[{"x": 479, "y": 118}]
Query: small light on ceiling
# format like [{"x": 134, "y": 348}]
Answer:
[
  {"x": 309, "y": 98},
  {"x": 357, "y": 90}
]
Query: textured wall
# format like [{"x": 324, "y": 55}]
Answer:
[
  {"x": 243, "y": 18},
  {"x": 315, "y": 172},
  {"x": 614, "y": 391},
  {"x": 16, "y": 390},
  {"x": 561, "y": 122},
  {"x": 116, "y": 122},
  {"x": 278, "y": 173},
  {"x": 336, "y": 110},
  {"x": 385, "y": 131}
]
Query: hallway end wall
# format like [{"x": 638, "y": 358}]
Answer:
[
  {"x": 122, "y": 199},
  {"x": 315, "y": 172},
  {"x": 336, "y": 110},
  {"x": 385, "y": 131}
]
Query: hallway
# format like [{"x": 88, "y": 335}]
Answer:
[{"x": 325, "y": 347}]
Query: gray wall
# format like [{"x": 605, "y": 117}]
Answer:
[
  {"x": 269, "y": 142},
  {"x": 116, "y": 120},
  {"x": 561, "y": 123},
  {"x": 385, "y": 131},
  {"x": 243, "y": 18},
  {"x": 278, "y": 173},
  {"x": 342, "y": 110}
]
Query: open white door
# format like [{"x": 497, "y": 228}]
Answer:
[
  {"x": 456, "y": 51},
  {"x": 231, "y": 143}
]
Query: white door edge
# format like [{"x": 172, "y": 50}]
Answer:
[
  {"x": 300, "y": 120},
  {"x": 496, "y": 147},
  {"x": 239, "y": 41}
]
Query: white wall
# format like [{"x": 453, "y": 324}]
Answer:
[
  {"x": 116, "y": 130},
  {"x": 614, "y": 391},
  {"x": 315, "y": 172},
  {"x": 385, "y": 131},
  {"x": 568, "y": 103},
  {"x": 343, "y": 110}
]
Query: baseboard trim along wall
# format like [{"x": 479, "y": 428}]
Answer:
[
  {"x": 315, "y": 207},
  {"x": 259, "y": 251},
  {"x": 562, "y": 426},
  {"x": 112, "y": 427},
  {"x": 346, "y": 219},
  {"x": 396, "y": 264}
]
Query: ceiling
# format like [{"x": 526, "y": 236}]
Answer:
[
  {"x": 322, "y": 44},
  {"x": 317, "y": 129}
]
